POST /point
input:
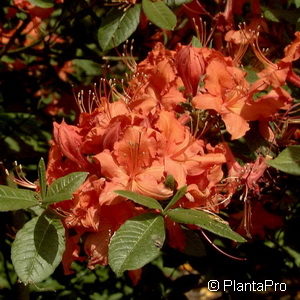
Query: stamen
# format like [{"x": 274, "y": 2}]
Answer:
[
  {"x": 220, "y": 250},
  {"x": 246, "y": 36},
  {"x": 197, "y": 125},
  {"x": 196, "y": 29},
  {"x": 203, "y": 129},
  {"x": 127, "y": 55},
  {"x": 211, "y": 32},
  {"x": 247, "y": 212},
  {"x": 127, "y": 97},
  {"x": 95, "y": 95},
  {"x": 140, "y": 80},
  {"x": 93, "y": 100},
  {"x": 291, "y": 116},
  {"x": 21, "y": 179},
  {"x": 260, "y": 55},
  {"x": 243, "y": 46},
  {"x": 202, "y": 33},
  {"x": 120, "y": 4}
]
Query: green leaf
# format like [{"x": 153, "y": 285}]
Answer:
[
  {"x": 196, "y": 42},
  {"x": 42, "y": 178},
  {"x": 64, "y": 187},
  {"x": 206, "y": 221},
  {"x": 137, "y": 242},
  {"x": 38, "y": 249},
  {"x": 276, "y": 15},
  {"x": 14, "y": 199},
  {"x": 159, "y": 14},
  {"x": 85, "y": 70},
  {"x": 140, "y": 199},
  {"x": 288, "y": 160},
  {"x": 271, "y": 15},
  {"x": 12, "y": 144},
  {"x": 180, "y": 193},
  {"x": 173, "y": 3},
  {"x": 118, "y": 26},
  {"x": 297, "y": 3},
  {"x": 42, "y": 3}
]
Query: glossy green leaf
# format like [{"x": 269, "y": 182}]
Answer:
[
  {"x": 271, "y": 15},
  {"x": 42, "y": 178},
  {"x": 173, "y": 3},
  {"x": 288, "y": 160},
  {"x": 38, "y": 249},
  {"x": 180, "y": 193},
  {"x": 117, "y": 26},
  {"x": 206, "y": 221},
  {"x": 64, "y": 187},
  {"x": 42, "y": 3},
  {"x": 14, "y": 199},
  {"x": 136, "y": 243},
  {"x": 196, "y": 42},
  {"x": 279, "y": 14},
  {"x": 159, "y": 14},
  {"x": 140, "y": 199}
]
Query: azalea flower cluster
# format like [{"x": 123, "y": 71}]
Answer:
[{"x": 165, "y": 130}]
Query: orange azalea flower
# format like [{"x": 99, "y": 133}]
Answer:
[
  {"x": 85, "y": 205},
  {"x": 202, "y": 190},
  {"x": 111, "y": 218},
  {"x": 96, "y": 242},
  {"x": 267, "y": 105},
  {"x": 176, "y": 143},
  {"x": 183, "y": 155},
  {"x": 250, "y": 173},
  {"x": 276, "y": 74},
  {"x": 132, "y": 166},
  {"x": 159, "y": 68},
  {"x": 227, "y": 93},
  {"x": 292, "y": 51},
  {"x": 58, "y": 165},
  {"x": 103, "y": 127},
  {"x": 138, "y": 140},
  {"x": 74, "y": 145},
  {"x": 156, "y": 83},
  {"x": 239, "y": 40},
  {"x": 72, "y": 252},
  {"x": 69, "y": 139}
]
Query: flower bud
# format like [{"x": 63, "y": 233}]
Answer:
[{"x": 190, "y": 66}]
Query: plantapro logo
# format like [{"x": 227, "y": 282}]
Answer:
[{"x": 236, "y": 286}]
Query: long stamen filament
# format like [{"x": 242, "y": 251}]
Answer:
[
  {"x": 220, "y": 250},
  {"x": 259, "y": 54}
]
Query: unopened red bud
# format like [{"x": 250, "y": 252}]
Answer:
[{"x": 190, "y": 66}]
